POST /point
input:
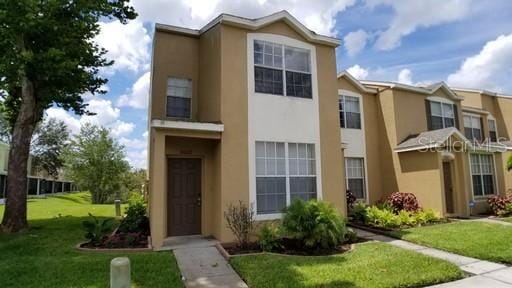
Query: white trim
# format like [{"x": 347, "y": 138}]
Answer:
[
  {"x": 356, "y": 83},
  {"x": 365, "y": 165},
  {"x": 293, "y": 101},
  {"x": 186, "y": 125},
  {"x": 474, "y": 110},
  {"x": 423, "y": 90},
  {"x": 495, "y": 174},
  {"x": 440, "y": 99},
  {"x": 255, "y": 24},
  {"x": 484, "y": 92}
]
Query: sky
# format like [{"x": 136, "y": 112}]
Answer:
[{"x": 466, "y": 43}]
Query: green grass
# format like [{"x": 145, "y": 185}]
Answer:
[
  {"x": 44, "y": 255},
  {"x": 480, "y": 240},
  {"x": 508, "y": 219},
  {"x": 371, "y": 264}
]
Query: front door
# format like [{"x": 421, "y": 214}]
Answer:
[
  {"x": 184, "y": 197},
  {"x": 448, "y": 187}
]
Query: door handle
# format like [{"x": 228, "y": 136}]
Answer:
[{"x": 198, "y": 201}]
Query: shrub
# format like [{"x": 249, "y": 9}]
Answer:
[
  {"x": 270, "y": 237},
  {"x": 316, "y": 224},
  {"x": 407, "y": 218},
  {"x": 351, "y": 200},
  {"x": 351, "y": 236},
  {"x": 97, "y": 230},
  {"x": 240, "y": 220},
  {"x": 136, "y": 220},
  {"x": 403, "y": 201},
  {"x": 382, "y": 217},
  {"x": 358, "y": 213},
  {"x": 498, "y": 204}
]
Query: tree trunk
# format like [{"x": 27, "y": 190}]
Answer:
[{"x": 15, "y": 214}]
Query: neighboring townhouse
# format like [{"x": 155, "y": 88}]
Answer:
[
  {"x": 240, "y": 110},
  {"x": 405, "y": 138}
]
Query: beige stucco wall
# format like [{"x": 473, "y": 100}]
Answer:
[
  {"x": 372, "y": 119},
  {"x": 217, "y": 64}
]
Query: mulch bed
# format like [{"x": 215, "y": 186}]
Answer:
[{"x": 381, "y": 230}]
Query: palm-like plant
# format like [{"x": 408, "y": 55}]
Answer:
[{"x": 509, "y": 163}]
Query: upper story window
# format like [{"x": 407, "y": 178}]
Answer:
[
  {"x": 350, "y": 112},
  {"x": 493, "y": 131},
  {"x": 473, "y": 127},
  {"x": 179, "y": 94},
  {"x": 277, "y": 67},
  {"x": 442, "y": 115}
]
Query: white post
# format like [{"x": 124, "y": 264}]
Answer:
[
  {"x": 38, "y": 186},
  {"x": 120, "y": 273}
]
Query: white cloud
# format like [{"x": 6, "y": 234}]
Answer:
[
  {"x": 490, "y": 69},
  {"x": 136, "y": 150},
  {"x": 138, "y": 95},
  {"x": 318, "y": 16},
  {"x": 127, "y": 45},
  {"x": 106, "y": 116},
  {"x": 355, "y": 41},
  {"x": 411, "y": 15},
  {"x": 405, "y": 77},
  {"x": 358, "y": 72}
]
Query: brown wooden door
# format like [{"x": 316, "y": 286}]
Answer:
[
  {"x": 184, "y": 197},
  {"x": 448, "y": 187}
]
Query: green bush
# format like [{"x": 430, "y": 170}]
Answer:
[
  {"x": 359, "y": 212},
  {"x": 270, "y": 237},
  {"x": 382, "y": 217},
  {"x": 97, "y": 230},
  {"x": 136, "y": 219},
  {"x": 316, "y": 224},
  {"x": 351, "y": 236}
]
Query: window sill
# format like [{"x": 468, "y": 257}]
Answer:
[
  {"x": 268, "y": 217},
  {"x": 284, "y": 96}
]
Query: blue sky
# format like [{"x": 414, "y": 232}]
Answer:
[{"x": 467, "y": 43}]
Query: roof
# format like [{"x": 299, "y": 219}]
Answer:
[
  {"x": 356, "y": 82},
  {"x": 254, "y": 24},
  {"x": 475, "y": 110},
  {"x": 430, "y": 139},
  {"x": 428, "y": 90},
  {"x": 482, "y": 91}
]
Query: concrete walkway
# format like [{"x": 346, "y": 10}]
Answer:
[
  {"x": 484, "y": 273},
  {"x": 489, "y": 220},
  {"x": 203, "y": 266}
]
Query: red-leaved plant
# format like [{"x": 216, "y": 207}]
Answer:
[
  {"x": 403, "y": 201},
  {"x": 498, "y": 204}
]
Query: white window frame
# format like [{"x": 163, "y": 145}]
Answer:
[
  {"x": 492, "y": 119},
  {"x": 191, "y": 94},
  {"x": 496, "y": 184},
  {"x": 283, "y": 66},
  {"x": 365, "y": 184},
  {"x": 342, "y": 99},
  {"x": 442, "y": 102},
  {"x": 272, "y": 216},
  {"x": 471, "y": 117}
]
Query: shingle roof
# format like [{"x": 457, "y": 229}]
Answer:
[{"x": 429, "y": 139}]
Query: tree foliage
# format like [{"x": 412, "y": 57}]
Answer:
[
  {"x": 48, "y": 143},
  {"x": 96, "y": 162},
  {"x": 48, "y": 58},
  {"x": 509, "y": 163}
]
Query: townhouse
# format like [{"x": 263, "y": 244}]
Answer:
[
  {"x": 447, "y": 146},
  {"x": 240, "y": 110},
  {"x": 252, "y": 110}
]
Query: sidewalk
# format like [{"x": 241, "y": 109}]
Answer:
[
  {"x": 485, "y": 273},
  {"x": 202, "y": 266}
]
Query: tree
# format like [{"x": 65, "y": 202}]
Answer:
[
  {"x": 48, "y": 144},
  {"x": 48, "y": 57},
  {"x": 509, "y": 163},
  {"x": 96, "y": 162}
]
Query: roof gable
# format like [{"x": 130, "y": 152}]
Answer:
[
  {"x": 255, "y": 24},
  {"x": 350, "y": 79}
]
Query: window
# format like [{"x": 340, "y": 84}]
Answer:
[
  {"x": 269, "y": 70},
  {"x": 354, "y": 170},
  {"x": 482, "y": 173},
  {"x": 179, "y": 93},
  {"x": 350, "y": 112},
  {"x": 275, "y": 183},
  {"x": 493, "y": 133},
  {"x": 302, "y": 171},
  {"x": 473, "y": 127},
  {"x": 442, "y": 115}
]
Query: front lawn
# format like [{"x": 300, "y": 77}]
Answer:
[
  {"x": 486, "y": 241},
  {"x": 44, "y": 256},
  {"x": 508, "y": 219},
  {"x": 371, "y": 264}
]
